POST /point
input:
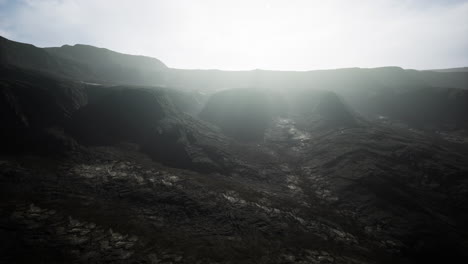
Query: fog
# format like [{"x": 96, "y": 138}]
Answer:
[
  {"x": 265, "y": 34},
  {"x": 262, "y": 154}
]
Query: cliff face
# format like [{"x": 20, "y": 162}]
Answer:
[
  {"x": 246, "y": 114},
  {"x": 32, "y": 104},
  {"x": 241, "y": 113},
  {"x": 149, "y": 118}
]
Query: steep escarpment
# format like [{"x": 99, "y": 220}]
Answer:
[
  {"x": 322, "y": 110},
  {"x": 431, "y": 108},
  {"x": 33, "y": 105},
  {"x": 148, "y": 117},
  {"x": 246, "y": 113},
  {"x": 241, "y": 113}
]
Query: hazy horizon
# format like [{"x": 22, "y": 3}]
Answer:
[{"x": 245, "y": 35}]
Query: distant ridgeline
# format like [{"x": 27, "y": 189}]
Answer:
[
  {"x": 427, "y": 99},
  {"x": 84, "y": 63}
]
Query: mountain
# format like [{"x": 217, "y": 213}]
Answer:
[
  {"x": 99, "y": 65},
  {"x": 149, "y": 117},
  {"x": 321, "y": 79},
  {"x": 83, "y": 63},
  {"x": 29, "y": 57},
  {"x": 448, "y": 78},
  {"x": 33, "y": 106},
  {"x": 100, "y": 164},
  {"x": 461, "y": 69},
  {"x": 246, "y": 114},
  {"x": 420, "y": 96},
  {"x": 111, "y": 66},
  {"x": 241, "y": 113}
]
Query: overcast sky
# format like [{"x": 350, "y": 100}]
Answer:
[{"x": 250, "y": 34}]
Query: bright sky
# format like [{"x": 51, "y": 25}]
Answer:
[{"x": 250, "y": 34}]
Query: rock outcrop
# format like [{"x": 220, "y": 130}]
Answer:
[
  {"x": 32, "y": 105},
  {"x": 241, "y": 113},
  {"x": 148, "y": 117},
  {"x": 245, "y": 114}
]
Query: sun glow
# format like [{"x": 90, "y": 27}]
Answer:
[{"x": 250, "y": 34}]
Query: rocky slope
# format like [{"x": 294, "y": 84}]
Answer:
[
  {"x": 149, "y": 118},
  {"x": 35, "y": 109},
  {"x": 293, "y": 174},
  {"x": 113, "y": 67},
  {"x": 83, "y": 63}
]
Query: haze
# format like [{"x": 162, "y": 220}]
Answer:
[{"x": 250, "y": 34}]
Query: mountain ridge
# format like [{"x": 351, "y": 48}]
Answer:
[
  {"x": 357, "y": 166},
  {"x": 81, "y": 54}
]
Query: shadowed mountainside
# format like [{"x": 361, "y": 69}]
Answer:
[
  {"x": 113, "y": 67},
  {"x": 245, "y": 114},
  {"x": 35, "y": 108},
  {"x": 148, "y": 117},
  {"x": 338, "y": 166},
  {"x": 84, "y": 63}
]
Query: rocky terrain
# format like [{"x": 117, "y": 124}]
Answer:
[{"x": 170, "y": 173}]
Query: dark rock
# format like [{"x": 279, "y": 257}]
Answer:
[
  {"x": 31, "y": 103},
  {"x": 148, "y": 117},
  {"x": 241, "y": 113},
  {"x": 112, "y": 67},
  {"x": 245, "y": 114},
  {"x": 315, "y": 109}
]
